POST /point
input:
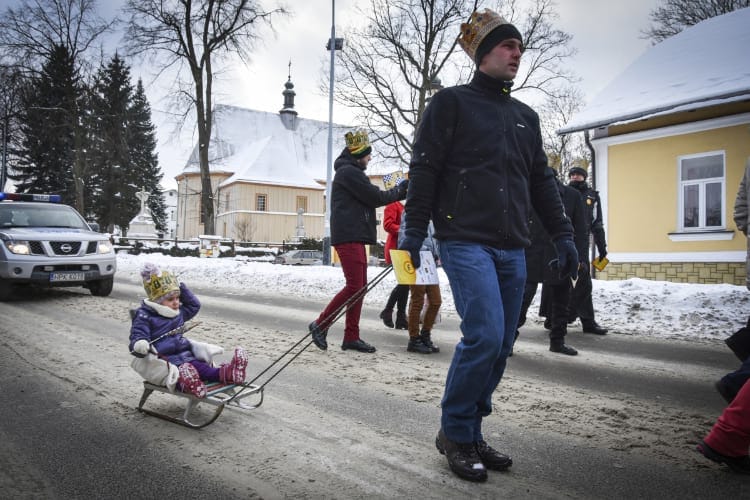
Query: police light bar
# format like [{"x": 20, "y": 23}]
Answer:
[{"x": 50, "y": 198}]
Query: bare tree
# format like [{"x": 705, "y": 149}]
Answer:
[
  {"x": 390, "y": 67},
  {"x": 563, "y": 151},
  {"x": 30, "y": 32},
  {"x": 29, "y": 35},
  {"x": 196, "y": 35},
  {"x": 11, "y": 81},
  {"x": 673, "y": 16}
]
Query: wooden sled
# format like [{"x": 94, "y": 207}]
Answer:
[{"x": 218, "y": 395}]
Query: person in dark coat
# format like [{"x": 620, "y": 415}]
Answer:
[
  {"x": 581, "y": 303},
  {"x": 477, "y": 168},
  {"x": 353, "y": 225},
  {"x": 156, "y": 329},
  {"x": 539, "y": 255}
]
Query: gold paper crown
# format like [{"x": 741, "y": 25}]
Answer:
[
  {"x": 158, "y": 286},
  {"x": 479, "y": 26},
  {"x": 357, "y": 142}
]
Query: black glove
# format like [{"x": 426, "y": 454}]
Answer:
[
  {"x": 602, "y": 251},
  {"x": 567, "y": 257},
  {"x": 412, "y": 244},
  {"x": 403, "y": 187}
]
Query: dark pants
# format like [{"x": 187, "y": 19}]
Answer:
[
  {"x": 581, "y": 304},
  {"x": 554, "y": 305},
  {"x": 399, "y": 297},
  {"x": 354, "y": 265},
  {"x": 529, "y": 290},
  {"x": 736, "y": 379}
]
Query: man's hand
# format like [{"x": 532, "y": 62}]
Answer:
[
  {"x": 412, "y": 244},
  {"x": 567, "y": 257}
]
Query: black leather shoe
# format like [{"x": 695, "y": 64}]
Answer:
[
  {"x": 491, "y": 458},
  {"x": 737, "y": 464},
  {"x": 548, "y": 324},
  {"x": 463, "y": 458},
  {"x": 358, "y": 345},
  {"x": 594, "y": 328},
  {"x": 563, "y": 349},
  {"x": 387, "y": 316},
  {"x": 318, "y": 335},
  {"x": 726, "y": 393}
]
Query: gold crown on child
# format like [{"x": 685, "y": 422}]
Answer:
[{"x": 158, "y": 286}]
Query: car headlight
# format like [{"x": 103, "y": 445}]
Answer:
[
  {"x": 18, "y": 247},
  {"x": 104, "y": 247}
]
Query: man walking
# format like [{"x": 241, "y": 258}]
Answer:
[
  {"x": 581, "y": 304},
  {"x": 477, "y": 169}
]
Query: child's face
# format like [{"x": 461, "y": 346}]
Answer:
[{"x": 172, "y": 301}]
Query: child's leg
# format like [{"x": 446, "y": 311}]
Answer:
[
  {"x": 190, "y": 381},
  {"x": 234, "y": 371},
  {"x": 207, "y": 372}
]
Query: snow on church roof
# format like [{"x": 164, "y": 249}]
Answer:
[
  {"x": 256, "y": 146},
  {"x": 704, "y": 63}
]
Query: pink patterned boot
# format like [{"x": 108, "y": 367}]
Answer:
[
  {"x": 190, "y": 381},
  {"x": 234, "y": 372}
]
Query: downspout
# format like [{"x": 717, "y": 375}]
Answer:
[{"x": 587, "y": 139}]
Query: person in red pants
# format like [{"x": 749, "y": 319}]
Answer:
[
  {"x": 353, "y": 202},
  {"x": 729, "y": 439}
]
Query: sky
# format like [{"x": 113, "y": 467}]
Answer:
[
  {"x": 606, "y": 35},
  {"x": 656, "y": 309}
]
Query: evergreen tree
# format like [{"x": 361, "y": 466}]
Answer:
[
  {"x": 143, "y": 157},
  {"x": 48, "y": 122},
  {"x": 113, "y": 183}
]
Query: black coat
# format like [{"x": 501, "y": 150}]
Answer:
[
  {"x": 542, "y": 250},
  {"x": 354, "y": 200},
  {"x": 478, "y": 167},
  {"x": 594, "y": 220}
]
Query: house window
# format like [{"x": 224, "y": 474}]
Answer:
[
  {"x": 260, "y": 202},
  {"x": 302, "y": 203},
  {"x": 702, "y": 179}
]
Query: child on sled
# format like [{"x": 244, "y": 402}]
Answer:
[{"x": 168, "y": 306}]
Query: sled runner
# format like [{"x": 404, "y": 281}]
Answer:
[{"x": 218, "y": 395}]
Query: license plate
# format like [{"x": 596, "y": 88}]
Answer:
[{"x": 67, "y": 276}]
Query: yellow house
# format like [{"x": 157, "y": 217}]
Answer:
[
  {"x": 670, "y": 137},
  {"x": 268, "y": 173}
]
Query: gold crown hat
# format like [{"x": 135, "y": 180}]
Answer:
[
  {"x": 481, "y": 24},
  {"x": 158, "y": 284},
  {"x": 358, "y": 143}
]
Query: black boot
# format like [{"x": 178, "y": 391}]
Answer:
[
  {"x": 426, "y": 340},
  {"x": 591, "y": 326},
  {"x": 548, "y": 323},
  {"x": 401, "y": 322},
  {"x": 463, "y": 458},
  {"x": 318, "y": 335},
  {"x": 562, "y": 348},
  {"x": 387, "y": 316},
  {"x": 417, "y": 345}
]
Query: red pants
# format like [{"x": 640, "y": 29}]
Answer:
[
  {"x": 354, "y": 265},
  {"x": 730, "y": 435}
]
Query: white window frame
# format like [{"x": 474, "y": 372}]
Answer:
[{"x": 701, "y": 183}]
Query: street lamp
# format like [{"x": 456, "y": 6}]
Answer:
[{"x": 333, "y": 45}]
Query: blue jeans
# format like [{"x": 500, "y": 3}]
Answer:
[{"x": 487, "y": 286}]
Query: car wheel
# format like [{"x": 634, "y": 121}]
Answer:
[{"x": 101, "y": 288}]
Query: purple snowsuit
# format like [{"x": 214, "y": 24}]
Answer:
[{"x": 149, "y": 325}]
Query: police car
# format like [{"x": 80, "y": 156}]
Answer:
[{"x": 46, "y": 243}]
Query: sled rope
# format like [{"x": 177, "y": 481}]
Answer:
[{"x": 340, "y": 311}]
